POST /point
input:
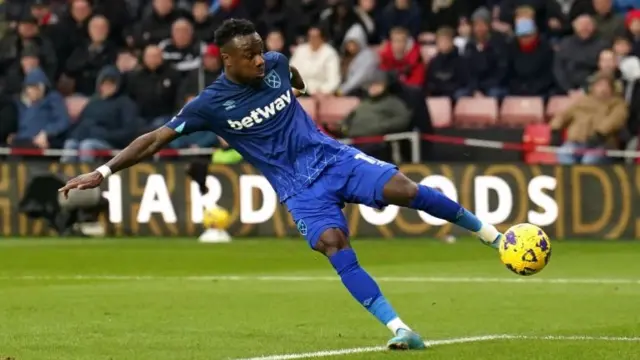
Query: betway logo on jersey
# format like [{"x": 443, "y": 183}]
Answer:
[{"x": 259, "y": 115}]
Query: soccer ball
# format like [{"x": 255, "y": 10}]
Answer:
[
  {"x": 216, "y": 218},
  {"x": 525, "y": 249}
]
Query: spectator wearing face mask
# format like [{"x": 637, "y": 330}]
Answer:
[
  {"x": 592, "y": 122},
  {"x": 90, "y": 57},
  {"x": 531, "y": 61},
  {"x": 42, "y": 115},
  {"x": 401, "y": 55}
]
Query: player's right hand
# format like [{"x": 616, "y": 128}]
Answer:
[{"x": 85, "y": 181}]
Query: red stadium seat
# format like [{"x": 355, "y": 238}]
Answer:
[
  {"x": 538, "y": 134},
  {"x": 441, "y": 111},
  {"x": 75, "y": 105},
  {"x": 333, "y": 110},
  {"x": 557, "y": 104},
  {"x": 310, "y": 105},
  {"x": 520, "y": 111},
  {"x": 476, "y": 112}
]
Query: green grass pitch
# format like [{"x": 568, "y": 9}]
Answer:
[{"x": 180, "y": 300}]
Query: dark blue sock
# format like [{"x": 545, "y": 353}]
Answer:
[
  {"x": 435, "y": 203},
  {"x": 362, "y": 286}
]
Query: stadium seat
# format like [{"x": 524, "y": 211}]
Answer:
[
  {"x": 310, "y": 105},
  {"x": 538, "y": 134},
  {"x": 476, "y": 112},
  {"x": 557, "y": 104},
  {"x": 75, "y": 105},
  {"x": 441, "y": 111},
  {"x": 333, "y": 110},
  {"x": 520, "y": 111}
]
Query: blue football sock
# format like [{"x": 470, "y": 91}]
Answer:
[
  {"x": 362, "y": 286},
  {"x": 435, "y": 203}
]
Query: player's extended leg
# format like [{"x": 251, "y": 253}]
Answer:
[
  {"x": 402, "y": 191},
  {"x": 334, "y": 244}
]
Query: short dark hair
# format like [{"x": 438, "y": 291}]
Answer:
[{"x": 232, "y": 28}]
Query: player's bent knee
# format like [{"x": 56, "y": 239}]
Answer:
[
  {"x": 400, "y": 190},
  {"x": 332, "y": 241}
]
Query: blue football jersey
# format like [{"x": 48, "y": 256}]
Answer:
[{"x": 266, "y": 124}]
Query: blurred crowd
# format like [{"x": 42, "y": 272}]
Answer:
[{"x": 94, "y": 74}]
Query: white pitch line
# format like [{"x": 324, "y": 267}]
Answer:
[
  {"x": 278, "y": 278},
  {"x": 461, "y": 340}
]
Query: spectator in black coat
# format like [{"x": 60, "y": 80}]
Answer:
[
  {"x": 203, "y": 22},
  {"x": 27, "y": 39},
  {"x": 72, "y": 29},
  {"x": 198, "y": 79},
  {"x": 485, "y": 60},
  {"x": 13, "y": 81},
  {"x": 336, "y": 21},
  {"x": 531, "y": 62},
  {"x": 443, "y": 71},
  {"x": 89, "y": 58},
  {"x": 119, "y": 17},
  {"x": 154, "y": 88},
  {"x": 438, "y": 14},
  {"x": 577, "y": 56},
  {"x": 276, "y": 16},
  {"x": 401, "y": 13},
  {"x": 562, "y": 13},
  {"x": 183, "y": 50},
  {"x": 156, "y": 26},
  {"x": 109, "y": 121}
]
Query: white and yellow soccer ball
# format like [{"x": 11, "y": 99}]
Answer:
[
  {"x": 216, "y": 218},
  {"x": 525, "y": 249}
]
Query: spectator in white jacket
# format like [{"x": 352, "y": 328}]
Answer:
[{"x": 318, "y": 64}]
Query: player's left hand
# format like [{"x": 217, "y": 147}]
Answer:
[{"x": 85, "y": 181}]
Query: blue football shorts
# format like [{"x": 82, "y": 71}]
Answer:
[{"x": 353, "y": 178}]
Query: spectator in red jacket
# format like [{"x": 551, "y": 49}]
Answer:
[{"x": 402, "y": 56}]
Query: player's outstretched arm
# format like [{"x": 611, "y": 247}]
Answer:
[
  {"x": 296, "y": 81},
  {"x": 141, "y": 148}
]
